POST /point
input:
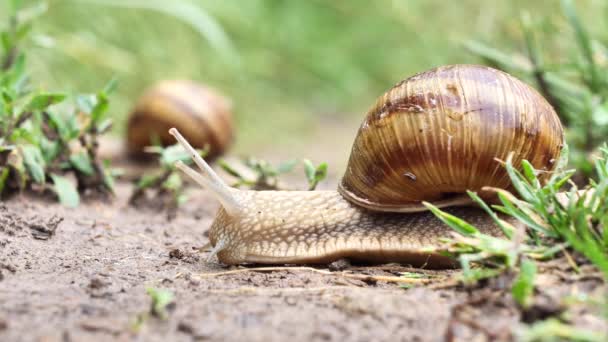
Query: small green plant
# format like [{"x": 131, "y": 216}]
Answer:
[
  {"x": 577, "y": 87},
  {"x": 556, "y": 220},
  {"x": 258, "y": 174},
  {"x": 314, "y": 174},
  {"x": 161, "y": 300},
  {"x": 523, "y": 285},
  {"x": 163, "y": 190},
  {"x": 47, "y": 136},
  {"x": 554, "y": 330}
]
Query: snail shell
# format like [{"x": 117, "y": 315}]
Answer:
[
  {"x": 441, "y": 132},
  {"x": 203, "y": 115},
  {"x": 429, "y": 138}
]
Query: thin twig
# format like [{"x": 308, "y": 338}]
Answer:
[
  {"x": 571, "y": 261},
  {"x": 364, "y": 277},
  {"x": 449, "y": 283},
  {"x": 289, "y": 290}
]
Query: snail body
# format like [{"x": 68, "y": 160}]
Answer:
[
  {"x": 201, "y": 113},
  {"x": 318, "y": 227},
  {"x": 429, "y": 138}
]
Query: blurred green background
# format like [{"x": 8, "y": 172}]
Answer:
[{"x": 301, "y": 74}]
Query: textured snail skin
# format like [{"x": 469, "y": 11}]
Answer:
[
  {"x": 439, "y": 133},
  {"x": 318, "y": 227}
]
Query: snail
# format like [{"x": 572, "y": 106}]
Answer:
[
  {"x": 429, "y": 138},
  {"x": 200, "y": 112}
]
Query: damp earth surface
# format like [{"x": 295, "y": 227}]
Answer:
[{"x": 82, "y": 275}]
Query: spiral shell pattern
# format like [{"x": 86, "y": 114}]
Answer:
[
  {"x": 202, "y": 114},
  {"x": 444, "y": 131}
]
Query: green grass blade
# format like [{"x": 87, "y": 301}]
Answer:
[
  {"x": 187, "y": 12},
  {"x": 584, "y": 42},
  {"x": 458, "y": 224},
  {"x": 523, "y": 286},
  {"x": 506, "y": 229}
]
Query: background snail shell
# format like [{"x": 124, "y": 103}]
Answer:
[
  {"x": 438, "y": 133},
  {"x": 203, "y": 115}
]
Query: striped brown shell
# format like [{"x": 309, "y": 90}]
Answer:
[
  {"x": 441, "y": 132},
  {"x": 202, "y": 115}
]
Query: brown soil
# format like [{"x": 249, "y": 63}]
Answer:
[{"x": 81, "y": 275}]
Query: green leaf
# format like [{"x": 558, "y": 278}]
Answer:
[
  {"x": 22, "y": 31},
  {"x": 160, "y": 300},
  {"x": 471, "y": 276},
  {"x": 4, "y": 109},
  {"x": 173, "y": 153},
  {"x": 600, "y": 114},
  {"x": 34, "y": 162},
  {"x": 584, "y": 42},
  {"x": 50, "y": 149},
  {"x": 530, "y": 173},
  {"x": 173, "y": 182},
  {"x": 58, "y": 123},
  {"x": 104, "y": 125},
  {"x": 146, "y": 180},
  {"x": 14, "y": 7},
  {"x": 85, "y": 103},
  {"x": 519, "y": 182},
  {"x": 229, "y": 169},
  {"x": 108, "y": 175},
  {"x": 553, "y": 329},
  {"x": 82, "y": 163},
  {"x": 523, "y": 286},
  {"x": 110, "y": 86},
  {"x": 517, "y": 209},
  {"x": 458, "y": 224},
  {"x": 314, "y": 174},
  {"x": 65, "y": 190},
  {"x": 506, "y": 228},
  {"x": 189, "y": 13},
  {"x": 530, "y": 39},
  {"x": 320, "y": 172},
  {"x": 44, "y": 100},
  {"x": 17, "y": 75},
  {"x": 309, "y": 170},
  {"x": 100, "y": 108},
  {"x": 496, "y": 56},
  {"x": 6, "y": 41},
  {"x": 181, "y": 199}
]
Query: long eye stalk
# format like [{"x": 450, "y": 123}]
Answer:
[{"x": 208, "y": 179}]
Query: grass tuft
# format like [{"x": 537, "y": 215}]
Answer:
[{"x": 47, "y": 136}]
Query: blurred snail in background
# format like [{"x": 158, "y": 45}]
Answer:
[
  {"x": 202, "y": 114},
  {"x": 429, "y": 138}
]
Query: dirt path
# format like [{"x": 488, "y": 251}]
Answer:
[{"x": 81, "y": 275}]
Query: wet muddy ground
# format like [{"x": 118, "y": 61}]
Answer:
[{"x": 81, "y": 275}]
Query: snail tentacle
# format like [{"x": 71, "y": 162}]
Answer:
[
  {"x": 209, "y": 179},
  {"x": 219, "y": 246}
]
